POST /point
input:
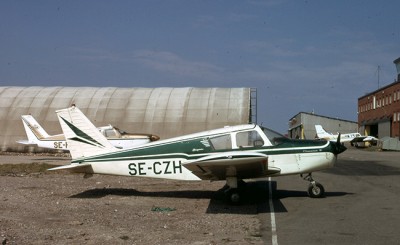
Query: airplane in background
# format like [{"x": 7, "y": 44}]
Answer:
[
  {"x": 231, "y": 154},
  {"x": 118, "y": 138},
  {"x": 353, "y": 138}
]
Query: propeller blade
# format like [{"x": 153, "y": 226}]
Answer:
[{"x": 339, "y": 146}]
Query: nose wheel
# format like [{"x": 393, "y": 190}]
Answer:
[{"x": 315, "y": 189}]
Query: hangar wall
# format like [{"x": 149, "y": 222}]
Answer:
[
  {"x": 302, "y": 125},
  {"x": 166, "y": 112}
]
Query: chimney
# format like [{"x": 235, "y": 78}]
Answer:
[{"x": 397, "y": 63}]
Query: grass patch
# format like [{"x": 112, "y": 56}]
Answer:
[{"x": 24, "y": 168}]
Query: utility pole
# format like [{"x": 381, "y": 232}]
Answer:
[{"x": 379, "y": 71}]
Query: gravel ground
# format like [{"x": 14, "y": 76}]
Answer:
[{"x": 43, "y": 207}]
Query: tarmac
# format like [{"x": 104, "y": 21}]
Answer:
[{"x": 361, "y": 203}]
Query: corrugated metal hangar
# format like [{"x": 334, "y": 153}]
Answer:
[
  {"x": 166, "y": 112},
  {"x": 302, "y": 125}
]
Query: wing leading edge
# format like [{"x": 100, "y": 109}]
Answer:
[{"x": 244, "y": 165}]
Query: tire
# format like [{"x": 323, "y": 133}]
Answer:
[
  {"x": 316, "y": 191},
  {"x": 233, "y": 196}
]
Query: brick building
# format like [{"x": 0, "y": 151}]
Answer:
[{"x": 379, "y": 111}]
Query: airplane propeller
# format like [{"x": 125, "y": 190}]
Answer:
[{"x": 339, "y": 147}]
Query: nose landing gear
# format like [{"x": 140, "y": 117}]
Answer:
[{"x": 315, "y": 189}]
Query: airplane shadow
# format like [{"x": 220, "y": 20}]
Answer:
[
  {"x": 99, "y": 193},
  {"x": 255, "y": 197}
]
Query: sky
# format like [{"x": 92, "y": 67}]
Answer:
[{"x": 302, "y": 56}]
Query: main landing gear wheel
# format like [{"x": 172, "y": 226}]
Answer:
[
  {"x": 233, "y": 195},
  {"x": 234, "y": 190},
  {"x": 315, "y": 189}
]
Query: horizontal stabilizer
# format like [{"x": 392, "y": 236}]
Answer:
[
  {"x": 81, "y": 168},
  {"x": 26, "y": 142}
]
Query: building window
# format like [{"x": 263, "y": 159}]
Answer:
[
  {"x": 394, "y": 96},
  {"x": 394, "y": 117}
]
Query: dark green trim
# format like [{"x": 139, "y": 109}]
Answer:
[{"x": 81, "y": 134}]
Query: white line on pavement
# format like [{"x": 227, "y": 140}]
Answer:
[{"x": 272, "y": 212}]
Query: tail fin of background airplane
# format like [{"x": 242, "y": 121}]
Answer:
[
  {"x": 33, "y": 130},
  {"x": 83, "y": 138},
  {"x": 321, "y": 133}
]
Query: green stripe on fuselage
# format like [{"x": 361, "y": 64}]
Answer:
[{"x": 195, "y": 148}]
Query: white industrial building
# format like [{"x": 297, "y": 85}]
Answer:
[
  {"x": 302, "y": 125},
  {"x": 166, "y": 112}
]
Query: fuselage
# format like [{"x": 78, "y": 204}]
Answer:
[{"x": 167, "y": 158}]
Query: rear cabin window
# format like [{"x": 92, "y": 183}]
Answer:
[
  {"x": 223, "y": 142},
  {"x": 109, "y": 133},
  {"x": 249, "y": 139},
  {"x": 274, "y": 137}
]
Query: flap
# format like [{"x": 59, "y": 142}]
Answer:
[{"x": 243, "y": 165}]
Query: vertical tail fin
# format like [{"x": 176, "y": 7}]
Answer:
[
  {"x": 83, "y": 138},
  {"x": 33, "y": 130},
  {"x": 321, "y": 133}
]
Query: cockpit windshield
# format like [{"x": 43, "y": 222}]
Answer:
[{"x": 273, "y": 136}]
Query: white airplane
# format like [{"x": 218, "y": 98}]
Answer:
[
  {"x": 353, "y": 138},
  {"x": 118, "y": 138},
  {"x": 230, "y": 153}
]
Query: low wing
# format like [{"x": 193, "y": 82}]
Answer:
[{"x": 243, "y": 165}]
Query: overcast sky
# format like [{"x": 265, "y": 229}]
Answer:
[{"x": 302, "y": 56}]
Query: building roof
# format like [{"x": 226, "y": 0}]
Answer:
[
  {"x": 332, "y": 118},
  {"x": 380, "y": 89}
]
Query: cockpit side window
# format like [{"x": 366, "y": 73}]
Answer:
[
  {"x": 249, "y": 139},
  {"x": 223, "y": 142}
]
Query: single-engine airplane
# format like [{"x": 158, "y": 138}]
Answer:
[
  {"x": 37, "y": 135},
  {"x": 353, "y": 138},
  {"x": 230, "y": 153}
]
